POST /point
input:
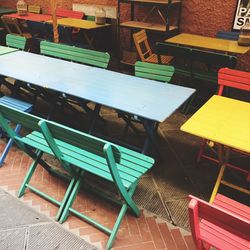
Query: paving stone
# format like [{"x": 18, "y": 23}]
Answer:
[
  {"x": 13, "y": 213},
  {"x": 13, "y": 239},
  {"x": 54, "y": 237}
]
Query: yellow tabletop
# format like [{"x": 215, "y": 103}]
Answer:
[
  {"x": 223, "y": 120},
  {"x": 78, "y": 23},
  {"x": 208, "y": 43}
]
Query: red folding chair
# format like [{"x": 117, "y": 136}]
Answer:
[
  {"x": 225, "y": 224},
  {"x": 233, "y": 79}
]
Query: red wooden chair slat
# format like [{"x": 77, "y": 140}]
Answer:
[
  {"x": 233, "y": 78},
  {"x": 218, "y": 227},
  {"x": 232, "y": 206}
]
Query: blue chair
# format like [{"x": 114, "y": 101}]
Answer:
[
  {"x": 17, "y": 104},
  {"x": 228, "y": 35}
]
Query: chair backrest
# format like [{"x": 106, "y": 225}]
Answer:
[
  {"x": 201, "y": 211},
  {"x": 75, "y": 54},
  {"x": 16, "y": 116},
  {"x": 15, "y": 41},
  {"x": 173, "y": 50},
  {"x": 34, "y": 9},
  {"x": 90, "y": 18},
  {"x": 234, "y": 79},
  {"x": 11, "y": 25},
  {"x": 68, "y": 13},
  {"x": 86, "y": 142},
  {"x": 142, "y": 45},
  {"x": 212, "y": 58},
  {"x": 228, "y": 35},
  {"x": 154, "y": 71}
]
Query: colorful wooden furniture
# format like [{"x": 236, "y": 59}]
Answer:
[
  {"x": 60, "y": 12},
  {"x": 100, "y": 86},
  {"x": 151, "y": 71},
  {"x": 4, "y": 11},
  {"x": 5, "y": 50},
  {"x": 224, "y": 121},
  {"x": 79, "y": 55},
  {"x": 75, "y": 54},
  {"x": 144, "y": 50},
  {"x": 14, "y": 41},
  {"x": 226, "y": 46},
  {"x": 31, "y": 16},
  {"x": 228, "y": 35},
  {"x": 12, "y": 26},
  {"x": 79, "y": 154},
  {"x": 88, "y": 28},
  {"x": 19, "y": 105},
  {"x": 225, "y": 224},
  {"x": 190, "y": 57}
]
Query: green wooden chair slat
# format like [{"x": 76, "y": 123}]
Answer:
[
  {"x": 154, "y": 71},
  {"x": 88, "y": 162},
  {"x": 15, "y": 41},
  {"x": 126, "y": 162},
  {"x": 78, "y": 153},
  {"x": 90, "y": 57}
]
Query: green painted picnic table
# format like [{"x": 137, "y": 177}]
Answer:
[{"x": 5, "y": 50}]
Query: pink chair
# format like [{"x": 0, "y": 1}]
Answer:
[{"x": 225, "y": 224}]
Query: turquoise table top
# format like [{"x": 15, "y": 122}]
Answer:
[
  {"x": 5, "y": 50},
  {"x": 145, "y": 98}
]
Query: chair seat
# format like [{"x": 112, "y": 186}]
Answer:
[
  {"x": 15, "y": 103},
  {"x": 221, "y": 238},
  {"x": 131, "y": 167},
  {"x": 154, "y": 59}
]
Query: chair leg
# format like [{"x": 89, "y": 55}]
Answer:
[
  {"x": 116, "y": 226},
  {"x": 29, "y": 174},
  {"x": 65, "y": 212},
  {"x": 8, "y": 146},
  {"x": 65, "y": 198}
]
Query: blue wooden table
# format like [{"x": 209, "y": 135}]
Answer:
[{"x": 152, "y": 101}]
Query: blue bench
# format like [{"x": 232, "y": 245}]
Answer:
[{"x": 17, "y": 104}]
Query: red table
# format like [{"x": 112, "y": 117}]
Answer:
[{"x": 31, "y": 17}]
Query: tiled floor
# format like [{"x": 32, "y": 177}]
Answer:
[{"x": 145, "y": 232}]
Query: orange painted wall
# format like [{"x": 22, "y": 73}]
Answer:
[{"x": 198, "y": 16}]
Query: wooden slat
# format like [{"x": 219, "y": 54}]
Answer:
[
  {"x": 147, "y": 26},
  {"x": 90, "y": 57},
  {"x": 15, "y": 41},
  {"x": 154, "y": 71}
]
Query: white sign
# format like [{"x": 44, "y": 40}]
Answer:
[{"x": 242, "y": 14}]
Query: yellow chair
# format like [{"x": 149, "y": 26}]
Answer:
[{"x": 144, "y": 50}]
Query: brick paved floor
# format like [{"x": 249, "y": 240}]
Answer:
[{"x": 146, "y": 232}]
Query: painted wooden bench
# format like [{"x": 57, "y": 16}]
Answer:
[
  {"x": 225, "y": 224},
  {"x": 75, "y": 54},
  {"x": 16, "y": 41},
  {"x": 193, "y": 58},
  {"x": 78, "y": 153}
]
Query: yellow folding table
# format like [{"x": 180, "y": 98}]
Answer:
[
  {"x": 226, "y": 46},
  {"x": 89, "y": 27},
  {"x": 225, "y": 121}
]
